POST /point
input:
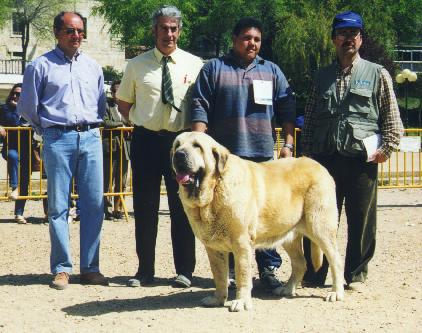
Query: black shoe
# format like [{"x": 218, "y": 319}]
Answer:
[
  {"x": 312, "y": 283},
  {"x": 117, "y": 215},
  {"x": 140, "y": 280},
  {"x": 108, "y": 216},
  {"x": 268, "y": 279}
]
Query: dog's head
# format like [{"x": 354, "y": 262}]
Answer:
[{"x": 197, "y": 160}]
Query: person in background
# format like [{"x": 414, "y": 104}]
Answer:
[
  {"x": 63, "y": 98},
  {"x": 350, "y": 100},
  {"x": 16, "y": 150},
  {"x": 116, "y": 152},
  {"x": 235, "y": 99},
  {"x": 155, "y": 96}
]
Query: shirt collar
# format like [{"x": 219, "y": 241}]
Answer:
[
  {"x": 347, "y": 70},
  {"x": 175, "y": 55},
  {"x": 61, "y": 54}
]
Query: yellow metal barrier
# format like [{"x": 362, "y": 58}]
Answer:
[
  {"x": 401, "y": 170},
  {"x": 37, "y": 185}
]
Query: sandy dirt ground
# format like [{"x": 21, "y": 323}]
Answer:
[{"x": 391, "y": 303}]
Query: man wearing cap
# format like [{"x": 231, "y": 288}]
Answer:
[
  {"x": 154, "y": 94},
  {"x": 350, "y": 100}
]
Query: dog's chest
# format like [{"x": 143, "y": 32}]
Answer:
[{"x": 210, "y": 228}]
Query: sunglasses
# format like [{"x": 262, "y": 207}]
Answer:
[
  {"x": 16, "y": 93},
  {"x": 73, "y": 31}
]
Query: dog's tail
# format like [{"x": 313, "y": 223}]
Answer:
[{"x": 316, "y": 256}]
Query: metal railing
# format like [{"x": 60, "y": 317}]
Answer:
[
  {"x": 12, "y": 66},
  {"x": 402, "y": 170}
]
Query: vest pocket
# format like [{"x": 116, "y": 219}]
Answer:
[
  {"x": 360, "y": 101},
  {"x": 355, "y": 132},
  {"x": 323, "y": 142}
]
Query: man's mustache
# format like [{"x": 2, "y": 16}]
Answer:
[{"x": 348, "y": 43}]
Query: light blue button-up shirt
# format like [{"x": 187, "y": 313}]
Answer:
[{"x": 57, "y": 90}]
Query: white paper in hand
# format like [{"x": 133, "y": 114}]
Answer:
[{"x": 372, "y": 143}]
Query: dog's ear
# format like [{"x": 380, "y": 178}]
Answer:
[
  {"x": 221, "y": 154},
  {"x": 173, "y": 173}
]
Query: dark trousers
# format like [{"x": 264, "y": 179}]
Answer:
[
  {"x": 356, "y": 187},
  {"x": 263, "y": 257},
  {"x": 150, "y": 157}
]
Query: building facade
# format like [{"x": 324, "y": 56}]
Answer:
[{"x": 98, "y": 44}]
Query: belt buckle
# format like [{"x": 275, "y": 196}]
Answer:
[{"x": 79, "y": 128}]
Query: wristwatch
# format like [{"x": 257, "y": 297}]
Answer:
[{"x": 289, "y": 145}]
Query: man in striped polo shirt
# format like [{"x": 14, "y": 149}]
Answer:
[{"x": 235, "y": 99}]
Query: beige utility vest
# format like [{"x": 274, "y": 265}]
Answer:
[{"x": 340, "y": 126}]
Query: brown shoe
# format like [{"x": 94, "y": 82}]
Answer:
[
  {"x": 95, "y": 278},
  {"x": 61, "y": 281}
]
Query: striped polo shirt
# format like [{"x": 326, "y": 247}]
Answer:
[{"x": 223, "y": 98}]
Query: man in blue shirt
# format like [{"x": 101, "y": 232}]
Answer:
[
  {"x": 235, "y": 99},
  {"x": 63, "y": 99}
]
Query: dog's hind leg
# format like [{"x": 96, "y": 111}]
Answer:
[
  {"x": 219, "y": 267},
  {"x": 328, "y": 244},
  {"x": 293, "y": 247}
]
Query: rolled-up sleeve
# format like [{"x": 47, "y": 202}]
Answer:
[
  {"x": 202, "y": 96},
  {"x": 29, "y": 101}
]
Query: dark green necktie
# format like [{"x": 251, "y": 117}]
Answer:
[{"x": 166, "y": 84}]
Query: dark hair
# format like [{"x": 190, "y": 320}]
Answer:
[
  {"x": 247, "y": 22},
  {"x": 58, "y": 20},
  {"x": 114, "y": 83},
  {"x": 17, "y": 85}
]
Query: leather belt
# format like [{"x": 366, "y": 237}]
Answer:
[
  {"x": 159, "y": 133},
  {"x": 77, "y": 128}
]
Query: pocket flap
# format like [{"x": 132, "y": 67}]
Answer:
[{"x": 361, "y": 92}]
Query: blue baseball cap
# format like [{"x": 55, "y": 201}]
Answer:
[{"x": 347, "y": 19}]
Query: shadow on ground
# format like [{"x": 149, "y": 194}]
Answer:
[{"x": 25, "y": 280}]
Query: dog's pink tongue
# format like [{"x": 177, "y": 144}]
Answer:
[{"x": 183, "y": 178}]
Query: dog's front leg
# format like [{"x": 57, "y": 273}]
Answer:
[
  {"x": 219, "y": 267},
  {"x": 243, "y": 262}
]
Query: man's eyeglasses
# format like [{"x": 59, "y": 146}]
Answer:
[
  {"x": 16, "y": 93},
  {"x": 347, "y": 34},
  {"x": 72, "y": 31}
]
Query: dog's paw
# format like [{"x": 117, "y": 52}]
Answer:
[
  {"x": 238, "y": 305},
  {"x": 333, "y": 296},
  {"x": 212, "y": 301},
  {"x": 283, "y": 291}
]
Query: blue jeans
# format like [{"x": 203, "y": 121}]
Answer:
[
  {"x": 69, "y": 154},
  {"x": 13, "y": 161}
]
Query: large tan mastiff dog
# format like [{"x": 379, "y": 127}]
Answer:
[{"x": 234, "y": 205}]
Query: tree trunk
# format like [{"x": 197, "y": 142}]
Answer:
[
  {"x": 25, "y": 42},
  {"x": 217, "y": 45}
]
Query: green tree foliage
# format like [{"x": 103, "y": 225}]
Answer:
[
  {"x": 111, "y": 74},
  {"x": 297, "y": 33}
]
